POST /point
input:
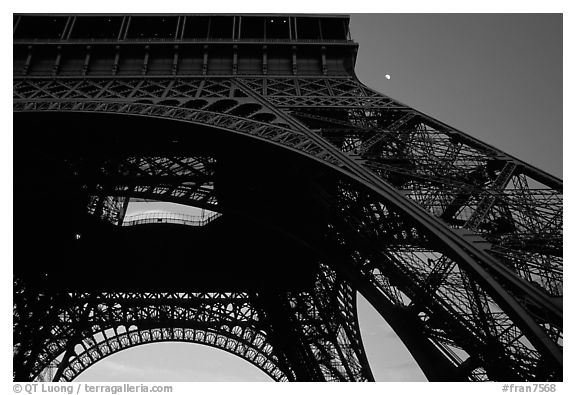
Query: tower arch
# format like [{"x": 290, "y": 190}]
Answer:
[{"x": 427, "y": 223}]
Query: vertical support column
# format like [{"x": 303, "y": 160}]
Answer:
[
  {"x": 74, "y": 339},
  {"x": 235, "y": 60},
  {"x": 36, "y": 315},
  {"x": 335, "y": 306},
  {"x": 175, "y": 60},
  {"x": 28, "y": 60},
  {"x": 123, "y": 209},
  {"x": 265, "y": 59},
  {"x": 294, "y": 61},
  {"x": 56, "y": 66},
  {"x": 233, "y": 28},
  {"x": 326, "y": 318},
  {"x": 324, "y": 66},
  {"x": 205, "y": 61},
  {"x": 146, "y": 59},
  {"x": 286, "y": 336},
  {"x": 239, "y": 35},
  {"x": 116, "y": 60},
  {"x": 86, "y": 64},
  {"x": 182, "y": 29}
]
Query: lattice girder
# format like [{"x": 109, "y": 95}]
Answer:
[
  {"x": 471, "y": 236},
  {"x": 90, "y": 327}
]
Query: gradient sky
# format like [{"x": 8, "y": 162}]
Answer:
[{"x": 497, "y": 77}]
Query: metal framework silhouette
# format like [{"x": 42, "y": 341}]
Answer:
[{"x": 323, "y": 188}]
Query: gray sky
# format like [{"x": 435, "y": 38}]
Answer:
[{"x": 497, "y": 77}]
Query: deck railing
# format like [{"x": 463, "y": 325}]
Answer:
[{"x": 169, "y": 218}]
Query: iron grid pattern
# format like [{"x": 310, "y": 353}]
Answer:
[
  {"x": 449, "y": 304},
  {"x": 493, "y": 202},
  {"x": 86, "y": 328}
]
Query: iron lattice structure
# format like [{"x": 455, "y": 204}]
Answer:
[{"x": 262, "y": 120}]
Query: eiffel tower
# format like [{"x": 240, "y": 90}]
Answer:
[{"x": 320, "y": 188}]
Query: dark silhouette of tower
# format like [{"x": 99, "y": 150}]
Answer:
[{"x": 323, "y": 188}]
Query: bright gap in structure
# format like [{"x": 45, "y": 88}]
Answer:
[
  {"x": 177, "y": 361},
  {"x": 172, "y": 361},
  {"x": 141, "y": 206},
  {"x": 389, "y": 358}
]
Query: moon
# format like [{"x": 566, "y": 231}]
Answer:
[{"x": 387, "y": 76}]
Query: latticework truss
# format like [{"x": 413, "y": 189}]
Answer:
[{"x": 457, "y": 244}]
